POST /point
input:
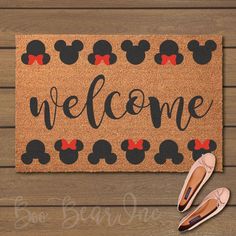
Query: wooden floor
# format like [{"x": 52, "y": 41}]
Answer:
[{"x": 41, "y": 204}]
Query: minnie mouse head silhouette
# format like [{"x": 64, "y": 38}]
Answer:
[
  {"x": 135, "y": 151},
  {"x": 200, "y": 147},
  {"x": 102, "y": 54},
  {"x": 169, "y": 54},
  {"x": 68, "y": 151},
  {"x": 35, "y": 54}
]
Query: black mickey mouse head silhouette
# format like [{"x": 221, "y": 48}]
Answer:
[
  {"x": 69, "y": 54},
  {"x": 102, "y": 53},
  {"x": 35, "y": 52},
  {"x": 168, "y": 150},
  {"x": 35, "y": 149},
  {"x": 102, "y": 149},
  {"x": 199, "y": 148},
  {"x": 135, "y": 152},
  {"x": 68, "y": 151},
  {"x": 135, "y": 54},
  {"x": 202, "y": 54},
  {"x": 169, "y": 52}
]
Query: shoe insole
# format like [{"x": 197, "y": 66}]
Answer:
[
  {"x": 193, "y": 183},
  {"x": 206, "y": 209}
]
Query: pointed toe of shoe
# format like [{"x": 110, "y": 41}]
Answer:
[
  {"x": 182, "y": 228},
  {"x": 180, "y": 208},
  {"x": 183, "y": 208}
]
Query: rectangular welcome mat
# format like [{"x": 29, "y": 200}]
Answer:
[{"x": 117, "y": 103}]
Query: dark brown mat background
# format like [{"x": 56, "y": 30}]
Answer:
[{"x": 164, "y": 82}]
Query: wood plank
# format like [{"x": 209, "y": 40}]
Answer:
[
  {"x": 117, "y": 4},
  {"x": 229, "y": 106},
  {"x": 7, "y": 108},
  {"x": 103, "y": 188},
  {"x": 229, "y": 68},
  {"x": 216, "y": 21},
  {"x": 116, "y": 221},
  {"x": 229, "y": 146},
  {"x": 7, "y": 147},
  {"x": 7, "y": 67}
]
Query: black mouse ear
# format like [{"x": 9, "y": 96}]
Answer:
[
  {"x": 213, "y": 145},
  {"x": 210, "y": 45},
  {"x": 193, "y": 45},
  {"x": 146, "y": 145},
  {"x": 79, "y": 145},
  {"x": 126, "y": 45},
  {"x": 178, "y": 158},
  {"x": 25, "y": 58},
  {"x": 46, "y": 58},
  {"x": 57, "y": 145},
  {"x": 77, "y": 45},
  {"x": 93, "y": 159},
  {"x": 144, "y": 45},
  {"x": 124, "y": 145},
  {"x": 60, "y": 45},
  {"x": 27, "y": 158},
  {"x": 191, "y": 145}
]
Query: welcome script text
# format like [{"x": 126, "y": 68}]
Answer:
[{"x": 134, "y": 105}]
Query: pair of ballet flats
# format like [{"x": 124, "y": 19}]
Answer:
[{"x": 211, "y": 205}]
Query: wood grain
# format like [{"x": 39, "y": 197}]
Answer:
[
  {"x": 7, "y": 108},
  {"x": 229, "y": 68},
  {"x": 7, "y": 147},
  {"x": 108, "y": 221},
  {"x": 117, "y": 4},
  {"x": 7, "y": 67},
  {"x": 229, "y": 106},
  {"x": 172, "y": 21},
  {"x": 103, "y": 188}
]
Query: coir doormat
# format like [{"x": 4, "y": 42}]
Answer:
[{"x": 94, "y": 103}]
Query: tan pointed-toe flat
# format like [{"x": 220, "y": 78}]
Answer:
[
  {"x": 212, "y": 204},
  {"x": 198, "y": 175}
]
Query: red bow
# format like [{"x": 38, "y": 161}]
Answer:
[
  {"x": 66, "y": 145},
  {"x": 132, "y": 145},
  {"x": 204, "y": 145},
  {"x": 99, "y": 59},
  {"x": 33, "y": 58},
  {"x": 166, "y": 58}
]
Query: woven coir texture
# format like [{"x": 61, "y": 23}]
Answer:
[{"x": 117, "y": 103}]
